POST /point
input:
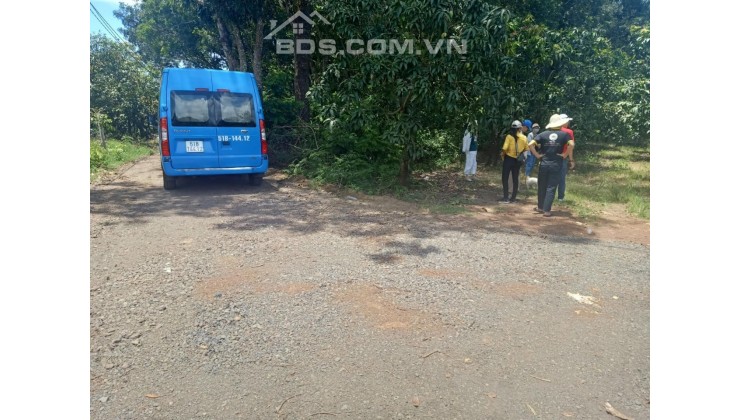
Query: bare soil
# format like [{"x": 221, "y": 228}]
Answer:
[{"x": 223, "y": 301}]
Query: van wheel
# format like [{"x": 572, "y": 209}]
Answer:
[
  {"x": 255, "y": 180},
  {"x": 169, "y": 181}
]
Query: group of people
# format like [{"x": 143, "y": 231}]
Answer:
[{"x": 525, "y": 145}]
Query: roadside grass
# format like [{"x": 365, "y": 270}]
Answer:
[
  {"x": 610, "y": 175},
  {"x": 604, "y": 175},
  {"x": 117, "y": 153}
]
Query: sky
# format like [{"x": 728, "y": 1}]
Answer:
[{"x": 106, "y": 8}]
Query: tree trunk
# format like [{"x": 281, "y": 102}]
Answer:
[
  {"x": 102, "y": 135},
  {"x": 241, "y": 53},
  {"x": 494, "y": 153},
  {"x": 302, "y": 75},
  {"x": 404, "y": 174},
  {"x": 223, "y": 38},
  {"x": 257, "y": 51}
]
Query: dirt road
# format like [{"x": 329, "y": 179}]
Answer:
[{"x": 223, "y": 301}]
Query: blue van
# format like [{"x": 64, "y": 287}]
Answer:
[{"x": 211, "y": 123}]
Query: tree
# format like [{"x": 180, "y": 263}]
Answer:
[
  {"x": 402, "y": 95},
  {"x": 122, "y": 87},
  {"x": 170, "y": 33},
  {"x": 532, "y": 58}
]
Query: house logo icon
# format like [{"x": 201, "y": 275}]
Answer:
[{"x": 296, "y": 23}]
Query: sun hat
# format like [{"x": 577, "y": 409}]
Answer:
[
  {"x": 557, "y": 120},
  {"x": 535, "y": 125},
  {"x": 528, "y": 124},
  {"x": 516, "y": 124}
]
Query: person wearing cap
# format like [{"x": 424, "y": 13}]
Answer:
[
  {"x": 514, "y": 145},
  {"x": 568, "y": 151},
  {"x": 552, "y": 155},
  {"x": 531, "y": 160},
  {"x": 526, "y": 127}
]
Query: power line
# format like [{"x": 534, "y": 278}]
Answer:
[
  {"x": 106, "y": 25},
  {"x": 104, "y": 22},
  {"x": 116, "y": 37}
]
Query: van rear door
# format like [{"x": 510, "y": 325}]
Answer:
[
  {"x": 236, "y": 120},
  {"x": 192, "y": 134}
]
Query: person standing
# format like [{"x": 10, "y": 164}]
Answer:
[
  {"x": 526, "y": 127},
  {"x": 514, "y": 145},
  {"x": 470, "y": 148},
  {"x": 551, "y": 144},
  {"x": 568, "y": 157},
  {"x": 531, "y": 160}
]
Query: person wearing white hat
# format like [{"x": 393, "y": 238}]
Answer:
[
  {"x": 514, "y": 145},
  {"x": 569, "y": 161},
  {"x": 551, "y": 143}
]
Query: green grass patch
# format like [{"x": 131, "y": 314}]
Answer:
[
  {"x": 350, "y": 171},
  {"x": 115, "y": 154},
  {"x": 613, "y": 175},
  {"x": 605, "y": 175}
]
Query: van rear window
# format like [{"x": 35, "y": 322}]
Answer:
[
  {"x": 235, "y": 109},
  {"x": 191, "y": 108},
  {"x": 222, "y": 109}
]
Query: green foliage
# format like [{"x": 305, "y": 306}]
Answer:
[
  {"x": 99, "y": 121},
  {"x": 171, "y": 33},
  {"x": 123, "y": 90},
  {"x": 97, "y": 156},
  {"x": 360, "y": 160},
  {"x": 350, "y": 170},
  {"x": 281, "y": 108},
  {"x": 405, "y": 98},
  {"x": 117, "y": 153},
  {"x": 611, "y": 174},
  {"x": 519, "y": 65},
  {"x": 400, "y": 112}
]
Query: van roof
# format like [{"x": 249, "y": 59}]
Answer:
[{"x": 181, "y": 69}]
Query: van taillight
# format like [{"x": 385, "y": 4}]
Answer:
[
  {"x": 263, "y": 136},
  {"x": 164, "y": 136}
]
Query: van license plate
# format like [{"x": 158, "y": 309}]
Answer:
[{"x": 194, "y": 146}]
